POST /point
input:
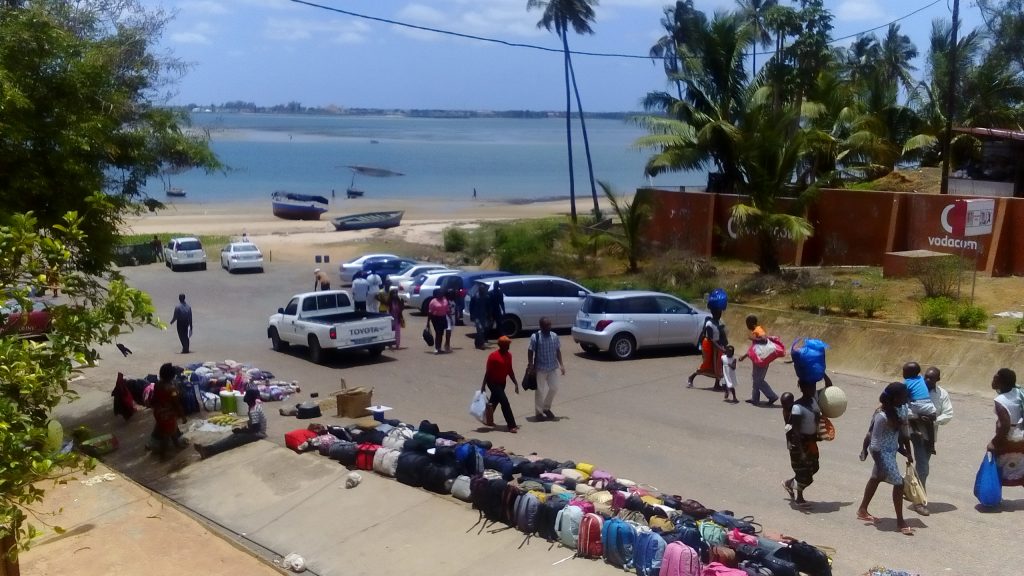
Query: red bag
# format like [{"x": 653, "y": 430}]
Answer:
[
  {"x": 295, "y": 438},
  {"x": 762, "y": 354},
  {"x": 364, "y": 458},
  {"x": 589, "y": 543}
]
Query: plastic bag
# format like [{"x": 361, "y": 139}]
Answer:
[
  {"x": 809, "y": 359},
  {"x": 718, "y": 300},
  {"x": 987, "y": 488},
  {"x": 479, "y": 406},
  {"x": 762, "y": 353},
  {"x": 913, "y": 491}
]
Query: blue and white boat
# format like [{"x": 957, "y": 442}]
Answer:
[{"x": 291, "y": 206}]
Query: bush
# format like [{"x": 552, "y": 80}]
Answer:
[
  {"x": 937, "y": 311},
  {"x": 939, "y": 276},
  {"x": 455, "y": 239},
  {"x": 971, "y": 317},
  {"x": 847, "y": 301},
  {"x": 813, "y": 300},
  {"x": 674, "y": 271},
  {"x": 528, "y": 247},
  {"x": 1020, "y": 327},
  {"x": 872, "y": 303}
]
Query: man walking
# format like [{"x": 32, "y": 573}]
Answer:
[
  {"x": 499, "y": 367},
  {"x": 496, "y": 305},
  {"x": 158, "y": 248},
  {"x": 544, "y": 358},
  {"x": 360, "y": 289},
  {"x": 373, "y": 287},
  {"x": 923, "y": 446},
  {"x": 183, "y": 318},
  {"x": 478, "y": 309}
]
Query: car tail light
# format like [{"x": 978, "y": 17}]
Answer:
[
  {"x": 415, "y": 289},
  {"x": 601, "y": 325},
  {"x": 333, "y": 333}
]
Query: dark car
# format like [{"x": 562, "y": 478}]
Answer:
[
  {"x": 12, "y": 320},
  {"x": 461, "y": 283},
  {"x": 385, "y": 266}
]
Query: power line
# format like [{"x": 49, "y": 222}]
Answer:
[{"x": 559, "y": 50}]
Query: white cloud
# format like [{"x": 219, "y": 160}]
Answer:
[
  {"x": 334, "y": 30},
  {"x": 859, "y": 11},
  {"x": 202, "y": 7},
  {"x": 198, "y": 33}
]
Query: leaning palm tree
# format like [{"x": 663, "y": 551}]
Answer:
[
  {"x": 632, "y": 215},
  {"x": 558, "y": 17},
  {"x": 755, "y": 12}
]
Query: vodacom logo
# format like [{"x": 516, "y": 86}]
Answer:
[
  {"x": 736, "y": 230},
  {"x": 944, "y": 219}
]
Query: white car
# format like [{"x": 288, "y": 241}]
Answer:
[
  {"x": 187, "y": 251},
  {"x": 349, "y": 269},
  {"x": 625, "y": 321},
  {"x": 407, "y": 277},
  {"x": 241, "y": 256}
]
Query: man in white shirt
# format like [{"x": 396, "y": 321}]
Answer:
[
  {"x": 924, "y": 448},
  {"x": 360, "y": 287},
  {"x": 374, "y": 282}
]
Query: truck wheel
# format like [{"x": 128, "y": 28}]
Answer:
[
  {"x": 376, "y": 350},
  {"x": 316, "y": 353},
  {"x": 276, "y": 342},
  {"x": 623, "y": 347},
  {"x": 510, "y": 326},
  {"x": 173, "y": 267}
]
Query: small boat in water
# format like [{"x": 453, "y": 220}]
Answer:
[
  {"x": 291, "y": 206},
  {"x": 368, "y": 220},
  {"x": 352, "y": 191},
  {"x": 175, "y": 192}
]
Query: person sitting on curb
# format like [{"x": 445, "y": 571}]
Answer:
[{"x": 255, "y": 429}]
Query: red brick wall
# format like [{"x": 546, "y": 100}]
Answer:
[
  {"x": 732, "y": 242},
  {"x": 679, "y": 220},
  {"x": 850, "y": 228}
]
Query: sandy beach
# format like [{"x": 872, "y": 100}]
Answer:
[{"x": 423, "y": 223}]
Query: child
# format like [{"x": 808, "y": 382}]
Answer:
[
  {"x": 451, "y": 296},
  {"x": 922, "y": 408},
  {"x": 729, "y": 373},
  {"x": 758, "y": 335},
  {"x": 886, "y": 437}
]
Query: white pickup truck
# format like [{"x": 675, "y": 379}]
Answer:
[{"x": 323, "y": 321}]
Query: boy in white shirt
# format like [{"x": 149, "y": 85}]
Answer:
[{"x": 729, "y": 373}]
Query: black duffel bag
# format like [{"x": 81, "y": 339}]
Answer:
[
  {"x": 344, "y": 452},
  {"x": 438, "y": 477},
  {"x": 412, "y": 467}
]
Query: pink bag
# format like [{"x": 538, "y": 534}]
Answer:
[
  {"x": 716, "y": 569},
  {"x": 601, "y": 475},
  {"x": 762, "y": 354},
  {"x": 619, "y": 499},
  {"x": 737, "y": 538},
  {"x": 586, "y": 506},
  {"x": 552, "y": 477}
]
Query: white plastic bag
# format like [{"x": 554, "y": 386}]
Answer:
[{"x": 479, "y": 406}]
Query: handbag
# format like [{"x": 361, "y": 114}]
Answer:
[
  {"x": 427, "y": 336},
  {"x": 826, "y": 430},
  {"x": 478, "y": 406},
  {"x": 763, "y": 353},
  {"x": 987, "y": 487},
  {"x": 530, "y": 380},
  {"x": 913, "y": 491}
]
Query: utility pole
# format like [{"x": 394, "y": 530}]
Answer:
[{"x": 947, "y": 139}]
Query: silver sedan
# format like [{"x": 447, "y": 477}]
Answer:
[{"x": 241, "y": 256}]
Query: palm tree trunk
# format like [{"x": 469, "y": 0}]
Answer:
[
  {"x": 767, "y": 257},
  {"x": 586, "y": 140},
  {"x": 568, "y": 130}
]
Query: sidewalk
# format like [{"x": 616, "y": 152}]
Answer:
[{"x": 115, "y": 527}]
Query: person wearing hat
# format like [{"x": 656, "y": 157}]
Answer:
[
  {"x": 498, "y": 369},
  {"x": 255, "y": 429},
  {"x": 320, "y": 280}
]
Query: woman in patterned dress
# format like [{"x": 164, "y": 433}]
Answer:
[
  {"x": 1008, "y": 443},
  {"x": 887, "y": 436}
]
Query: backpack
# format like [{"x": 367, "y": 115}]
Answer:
[
  {"x": 689, "y": 534},
  {"x": 344, "y": 452},
  {"x": 695, "y": 509},
  {"x": 547, "y": 518},
  {"x": 716, "y": 569},
  {"x": 364, "y": 458},
  {"x": 588, "y": 545},
  {"x": 470, "y": 459},
  {"x": 462, "y": 488},
  {"x": 712, "y": 533},
  {"x": 438, "y": 477},
  {"x": 587, "y": 507},
  {"x": 497, "y": 460},
  {"x": 680, "y": 560},
  {"x": 478, "y": 486},
  {"x": 567, "y": 525},
  {"x": 778, "y": 561},
  {"x": 410, "y": 468},
  {"x": 745, "y": 524},
  {"x": 619, "y": 539},
  {"x": 648, "y": 553},
  {"x": 384, "y": 460},
  {"x": 508, "y": 504},
  {"x": 526, "y": 513},
  {"x": 809, "y": 560},
  {"x": 396, "y": 438}
]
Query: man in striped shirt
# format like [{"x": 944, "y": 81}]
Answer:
[
  {"x": 255, "y": 429},
  {"x": 544, "y": 359}
]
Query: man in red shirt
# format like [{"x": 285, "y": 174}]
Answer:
[{"x": 499, "y": 367}]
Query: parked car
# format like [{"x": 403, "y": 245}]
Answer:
[
  {"x": 386, "y": 267},
  {"x": 405, "y": 278},
  {"x": 623, "y": 322},
  {"x": 421, "y": 294},
  {"x": 241, "y": 256},
  {"x": 349, "y": 269},
  {"x": 327, "y": 320},
  {"x": 529, "y": 298},
  {"x": 182, "y": 252},
  {"x": 14, "y": 321}
]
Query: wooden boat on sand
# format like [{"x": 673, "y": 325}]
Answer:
[
  {"x": 291, "y": 206},
  {"x": 367, "y": 220}
]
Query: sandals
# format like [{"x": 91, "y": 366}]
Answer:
[
  {"x": 907, "y": 531},
  {"x": 866, "y": 518},
  {"x": 789, "y": 489}
]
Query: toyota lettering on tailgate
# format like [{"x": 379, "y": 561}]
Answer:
[{"x": 371, "y": 330}]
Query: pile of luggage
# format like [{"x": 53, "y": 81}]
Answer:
[{"x": 584, "y": 508}]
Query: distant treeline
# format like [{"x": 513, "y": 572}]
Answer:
[{"x": 297, "y": 108}]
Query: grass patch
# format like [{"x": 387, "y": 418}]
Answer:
[
  {"x": 971, "y": 317},
  {"x": 936, "y": 311},
  {"x": 210, "y": 241}
]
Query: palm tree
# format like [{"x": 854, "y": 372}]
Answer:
[
  {"x": 895, "y": 53},
  {"x": 632, "y": 216},
  {"x": 755, "y": 12},
  {"x": 558, "y": 17},
  {"x": 680, "y": 22}
]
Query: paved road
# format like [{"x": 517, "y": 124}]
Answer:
[{"x": 635, "y": 418}]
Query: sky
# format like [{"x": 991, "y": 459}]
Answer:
[{"x": 277, "y": 51}]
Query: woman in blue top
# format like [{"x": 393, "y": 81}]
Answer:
[{"x": 887, "y": 436}]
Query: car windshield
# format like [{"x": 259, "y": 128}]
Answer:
[
  {"x": 246, "y": 248},
  {"x": 598, "y": 305},
  {"x": 190, "y": 245}
]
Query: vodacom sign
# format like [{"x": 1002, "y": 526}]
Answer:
[{"x": 963, "y": 219}]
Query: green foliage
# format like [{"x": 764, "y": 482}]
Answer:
[
  {"x": 632, "y": 215},
  {"x": 847, "y": 301},
  {"x": 971, "y": 317},
  {"x": 677, "y": 272},
  {"x": 937, "y": 311},
  {"x": 1019, "y": 328},
  {"x": 34, "y": 376},
  {"x": 872, "y": 303},
  {"x": 815, "y": 299},
  {"x": 455, "y": 239},
  {"x": 79, "y": 117},
  {"x": 938, "y": 276},
  {"x": 528, "y": 247}
]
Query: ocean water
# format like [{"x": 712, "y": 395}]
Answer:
[{"x": 504, "y": 159}]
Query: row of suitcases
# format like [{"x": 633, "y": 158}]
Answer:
[{"x": 577, "y": 505}]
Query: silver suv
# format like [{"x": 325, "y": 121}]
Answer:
[
  {"x": 528, "y": 298},
  {"x": 625, "y": 321}
]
